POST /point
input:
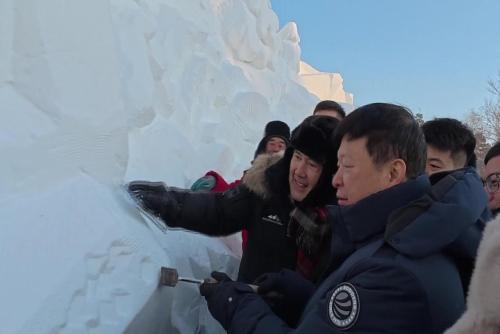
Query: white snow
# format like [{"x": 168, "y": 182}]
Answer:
[
  {"x": 326, "y": 86},
  {"x": 96, "y": 93}
]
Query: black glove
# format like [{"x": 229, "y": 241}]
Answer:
[
  {"x": 223, "y": 296},
  {"x": 156, "y": 199},
  {"x": 286, "y": 292},
  {"x": 209, "y": 285}
]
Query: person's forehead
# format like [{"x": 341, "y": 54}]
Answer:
[
  {"x": 352, "y": 146},
  {"x": 433, "y": 149},
  {"x": 304, "y": 155},
  {"x": 434, "y": 159},
  {"x": 328, "y": 112},
  {"x": 354, "y": 150},
  {"x": 493, "y": 166},
  {"x": 437, "y": 154},
  {"x": 276, "y": 139}
]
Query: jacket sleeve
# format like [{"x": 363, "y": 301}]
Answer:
[
  {"x": 253, "y": 315},
  {"x": 375, "y": 298},
  {"x": 212, "y": 213}
]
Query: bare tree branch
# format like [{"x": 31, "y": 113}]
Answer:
[{"x": 485, "y": 123}]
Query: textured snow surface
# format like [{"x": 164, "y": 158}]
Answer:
[
  {"x": 97, "y": 93},
  {"x": 326, "y": 86}
]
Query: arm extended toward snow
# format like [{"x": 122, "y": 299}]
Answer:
[{"x": 208, "y": 213}]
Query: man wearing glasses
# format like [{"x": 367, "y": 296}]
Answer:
[{"x": 492, "y": 177}]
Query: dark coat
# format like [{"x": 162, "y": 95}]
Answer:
[
  {"x": 253, "y": 206},
  {"x": 401, "y": 253}
]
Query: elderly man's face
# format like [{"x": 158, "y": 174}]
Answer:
[{"x": 358, "y": 176}]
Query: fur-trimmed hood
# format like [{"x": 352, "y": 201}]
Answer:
[
  {"x": 483, "y": 302},
  {"x": 255, "y": 177}
]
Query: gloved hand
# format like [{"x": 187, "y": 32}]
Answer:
[
  {"x": 138, "y": 187},
  {"x": 209, "y": 285},
  {"x": 286, "y": 292},
  {"x": 206, "y": 183},
  {"x": 223, "y": 296},
  {"x": 155, "y": 198}
]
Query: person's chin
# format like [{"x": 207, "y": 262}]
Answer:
[{"x": 298, "y": 196}]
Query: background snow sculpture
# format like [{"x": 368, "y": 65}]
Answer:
[
  {"x": 97, "y": 93},
  {"x": 326, "y": 86}
]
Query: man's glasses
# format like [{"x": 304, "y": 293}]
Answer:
[{"x": 492, "y": 182}]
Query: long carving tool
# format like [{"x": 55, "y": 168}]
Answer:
[{"x": 170, "y": 277}]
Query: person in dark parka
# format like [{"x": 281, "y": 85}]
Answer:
[
  {"x": 276, "y": 139},
  {"x": 398, "y": 247},
  {"x": 280, "y": 202}
]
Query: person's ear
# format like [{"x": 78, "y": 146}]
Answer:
[{"x": 397, "y": 172}]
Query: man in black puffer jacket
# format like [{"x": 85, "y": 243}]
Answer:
[{"x": 280, "y": 202}]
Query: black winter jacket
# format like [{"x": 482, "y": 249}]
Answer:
[{"x": 252, "y": 206}]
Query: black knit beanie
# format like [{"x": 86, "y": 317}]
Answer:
[{"x": 273, "y": 129}]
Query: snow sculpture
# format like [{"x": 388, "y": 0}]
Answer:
[{"x": 97, "y": 93}]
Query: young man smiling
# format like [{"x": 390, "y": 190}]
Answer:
[
  {"x": 280, "y": 202},
  {"x": 303, "y": 175},
  {"x": 399, "y": 245}
]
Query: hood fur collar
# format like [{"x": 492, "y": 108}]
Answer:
[
  {"x": 255, "y": 177},
  {"x": 483, "y": 302}
]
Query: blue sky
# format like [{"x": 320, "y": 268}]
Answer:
[{"x": 433, "y": 56}]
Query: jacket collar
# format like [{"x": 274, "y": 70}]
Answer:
[
  {"x": 367, "y": 219},
  {"x": 451, "y": 216}
]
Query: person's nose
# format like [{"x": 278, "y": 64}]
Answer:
[
  {"x": 300, "y": 171},
  {"x": 337, "y": 179},
  {"x": 273, "y": 148}
]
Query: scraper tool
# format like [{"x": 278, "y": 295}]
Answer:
[{"x": 170, "y": 277}]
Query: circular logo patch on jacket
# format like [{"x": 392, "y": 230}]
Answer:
[{"x": 343, "y": 308}]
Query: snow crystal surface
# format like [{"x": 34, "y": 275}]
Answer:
[{"x": 96, "y": 93}]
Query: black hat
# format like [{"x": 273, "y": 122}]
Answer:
[
  {"x": 314, "y": 138},
  {"x": 273, "y": 129}
]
